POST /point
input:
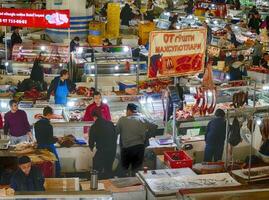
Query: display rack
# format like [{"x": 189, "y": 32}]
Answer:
[
  {"x": 106, "y": 62},
  {"x": 53, "y": 57}
]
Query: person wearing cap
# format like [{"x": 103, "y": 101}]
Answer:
[
  {"x": 132, "y": 130},
  {"x": 16, "y": 124},
  {"x": 44, "y": 136},
  {"x": 27, "y": 178},
  {"x": 215, "y": 137},
  {"x": 103, "y": 136}
]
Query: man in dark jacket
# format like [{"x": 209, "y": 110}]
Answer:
[
  {"x": 44, "y": 135},
  {"x": 103, "y": 136},
  {"x": 27, "y": 177},
  {"x": 74, "y": 44},
  {"x": 215, "y": 137},
  {"x": 61, "y": 86},
  {"x": 15, "y": 37},
  {"x": 126, "y": 15}
]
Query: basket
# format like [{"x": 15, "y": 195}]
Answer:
[{"x": 184, "y": 159}]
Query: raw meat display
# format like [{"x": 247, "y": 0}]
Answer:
[
  {"x": 67, "y": 141},
  {"x": 205, "y": 101},
  {"x": 259, "y": 69},
  {"x": 155, "y": 86},
  {"x": 53, "y": 54},
  {"x": 54, "y": 116},
  {"x": 84, "y": 91},
  {"x": 182, "y": 114},
  {"x": 240, "y": 99},
  {"x": 33, "y": 95},
  {"x": 76, "y": 115}
]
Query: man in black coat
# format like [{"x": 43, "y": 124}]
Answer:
[
  {"x": 44, "y": 136},
  {"x": 15, "y": 37},
  {"x": 27, "y": 177},
  {"x": 103, "y": 136}
]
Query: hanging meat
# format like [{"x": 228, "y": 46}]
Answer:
[
  {"x": 206, "y": 96},
  {"x": 264, "y": 128},
  {"x": 208, "y": 81},
  {"x": 235, "y": 137},
  {"x": 240, "y": 99}
]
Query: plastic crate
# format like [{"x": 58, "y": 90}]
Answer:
[{"x": 184, "y": 159}]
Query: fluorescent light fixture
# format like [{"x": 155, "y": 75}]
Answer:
[
  {"x": 80, "y": 50},
  {"x": 4, "y": 105},
  {"x": 105, "y": 100},
  {"x": 259, "y": 121},
  {"x": 43, "y": 48},
  {"x": 142, "y": 100},
  {"x": 265, "y": 87},
  {"x": 70, "y": 103},
  {"x": 149, "y": 100},
  {"x": 125, "y": 49}
]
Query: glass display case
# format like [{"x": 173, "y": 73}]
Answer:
[
  {"x": 104, "y": 66},
  {"x": 53, "y": 57}
]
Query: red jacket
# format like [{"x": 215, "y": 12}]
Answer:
[
  {"x": 104, "y": 110},
  {"x": 88, "y": 114},
  {"x": 1, "y": 121}
]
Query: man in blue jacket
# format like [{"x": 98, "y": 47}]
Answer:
[{"x": 215, "y": 137}]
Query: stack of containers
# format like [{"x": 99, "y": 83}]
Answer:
[
  {"x": 96, "y": 32},
  {"x": 113, "y": 20},
  {"x": 144, "y": 28}
]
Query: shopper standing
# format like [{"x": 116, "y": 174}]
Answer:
[
  {"x": 61, "y": 86},
  {"x": 132, "y": 130},
  {"x": 103, "y": 136},
  {"x": 44, "y": 135},
  {"x": 17, "y": 125},
  {"x": 74, "y": 44},
  {"x": 215, "y": 137},
  {"x": 126, "y": 15},
  {"x": 27, "y": 178},
  {"x": 257, "y": 53},
  {"x": 15, "y": 37}
]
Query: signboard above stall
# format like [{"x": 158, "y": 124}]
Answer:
[
  {"x": 176, "y": 53},
  {"x": 34, "y": 18}
]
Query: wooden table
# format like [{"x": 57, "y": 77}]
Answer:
[{"x": 136, "y": 192}]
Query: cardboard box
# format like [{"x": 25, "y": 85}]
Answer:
[{"x": 61, "y": 184}]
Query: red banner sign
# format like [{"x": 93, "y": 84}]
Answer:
[
  {"x": 176, "y": 53},
  {"x": 35, "y": 18}
]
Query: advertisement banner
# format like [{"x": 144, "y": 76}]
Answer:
[
  {"x": 34, "y": 18},
  {"x": 176, "y": 53}
]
